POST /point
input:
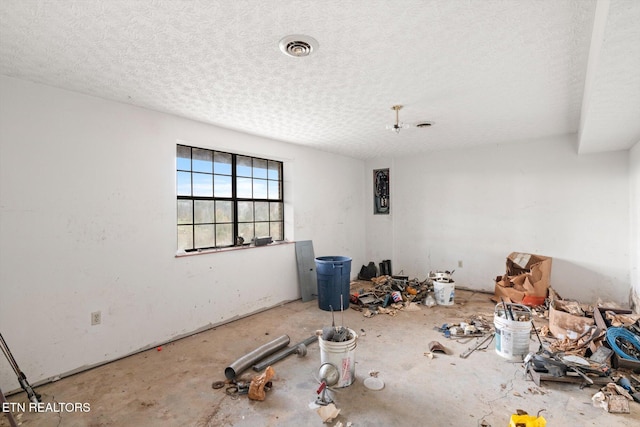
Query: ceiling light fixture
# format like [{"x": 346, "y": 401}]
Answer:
[
  {"x": 398, "y": 124},
  {"x": 298, "y": 45}
]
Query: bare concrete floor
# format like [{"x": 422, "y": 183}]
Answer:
[{"x": 173, "y": 387}]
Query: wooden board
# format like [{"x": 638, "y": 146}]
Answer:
[
  {"x": 307, "y": 279},
  {"x": 570, "y": 377}
]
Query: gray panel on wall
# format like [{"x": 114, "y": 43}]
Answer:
[{"x": 307, "y": 278}]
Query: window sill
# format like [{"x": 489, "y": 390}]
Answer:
[{"x": 181, "y": 254}]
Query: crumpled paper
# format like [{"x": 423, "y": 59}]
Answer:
[
  {"x": 328, "y": 413},
  {"x": 256, "y": 388}
]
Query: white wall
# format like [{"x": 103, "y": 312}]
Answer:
[
  {"x": 480, "y": 204},
  {"x": 634, "y": 183},
  {"x": 87, "y": 223}
]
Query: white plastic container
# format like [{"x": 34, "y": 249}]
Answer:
[
  {"x": 342, "y": 355},
  {"x": 444, "y": 292},
  {"x": 512, "y": 336}
]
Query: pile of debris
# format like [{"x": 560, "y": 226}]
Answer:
[
  {"x": 391, "y": 293},
  {"x": 474, "y": 326},
  {"x": 589, "y": 345}
]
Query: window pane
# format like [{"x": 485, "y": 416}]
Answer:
[
  {"x": 211, "y": 185},
  {"x": 224, "y": 212},
  {"x": 259, "y": 168},
  {"x": 222, "y": 163},
  {"x": 185, "y": 212},
  {"x": 276, "y": 231},
  {"x": 243, "y": 189},
  {"x": 274, "y": 190},
  {"x": 202, "y": 160},
  {"x": 204, "y": 211},
  {"x": 262, "y": 213},
  {"x": 275, "y": 211},
  {"x": 224, "y": 235},
  {"x": 262, "y": 229},
  {"x": 259, "y": 189},
  {"x": 245, "y": 212},
  {"x": 274, "y": 170},
  {"x": 185, "y": 237},
  {"x": 243, "y": 166},
  {"x": 246, "y": 232},
  {"x": 183, "y": 158},
  {"x": 183, "y": 183},
  {"x": 204, "y": 236},
  {"x": 222, "y": 185},
  {"x": 202, "y": 185}
]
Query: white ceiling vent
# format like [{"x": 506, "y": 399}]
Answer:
[{"x": 298, "y": 45}]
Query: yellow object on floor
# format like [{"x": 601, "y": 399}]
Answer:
[{"x": 527, "y": 421}]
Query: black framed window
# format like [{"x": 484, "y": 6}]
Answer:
[{"x": 224, "y": 199}]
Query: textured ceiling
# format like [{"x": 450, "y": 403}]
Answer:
[{"x": 485, "y": 71}]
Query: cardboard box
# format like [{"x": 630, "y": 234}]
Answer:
[
  {"x": 526, "y": 281},
  {"x": 566, "y": 325},
  {"x": 602, "y": 323}
]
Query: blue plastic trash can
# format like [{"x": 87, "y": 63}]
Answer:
[{"x": 334, "y": 278}]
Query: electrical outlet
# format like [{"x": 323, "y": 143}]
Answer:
[
  {"x": 96, "y": 318},
  {"x": 460, "y": 264}
]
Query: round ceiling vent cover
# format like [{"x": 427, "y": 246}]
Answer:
[{"x": 298, "y": 45}]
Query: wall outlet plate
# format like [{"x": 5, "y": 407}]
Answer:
[{"x": 96, "y": 318}]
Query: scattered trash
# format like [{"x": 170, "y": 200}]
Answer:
[
  {"x": 612, "y": 398},
  {"x": 328, "y": 412},
  {"x": 373, "y": 383},
  {"x": 436, "y": 347},
  {"x": 258, "y": 384},
  {"x": 526, "y": 280},
  {"x": 478, "y": 346},
  {"x": 474, "y": 326},
  {"x": 394, "y": 293},
  {"x": 536, "y": 390},
  {"x": 218, "y": 384},
  {"x": 429, "y": 301}
]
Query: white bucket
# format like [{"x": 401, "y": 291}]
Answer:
[
  {"x": 342, "y": 355},
  {"x": 444, "y": 292},
  {"x": 512, "y": 336}
]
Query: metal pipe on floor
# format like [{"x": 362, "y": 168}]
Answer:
[
  {"x": 256, "y": 355},
  {"x": 284, "y": 353}
]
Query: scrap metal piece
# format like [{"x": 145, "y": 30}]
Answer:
[
  {"x": 300, "y": 349},
  {"x": 258, "y": 354},
  {"x": 470, "y": 350}
]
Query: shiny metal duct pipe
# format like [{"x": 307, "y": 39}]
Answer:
[
  {"x": 284, "y": 353},
  {"x": 258, "y": 354}
]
